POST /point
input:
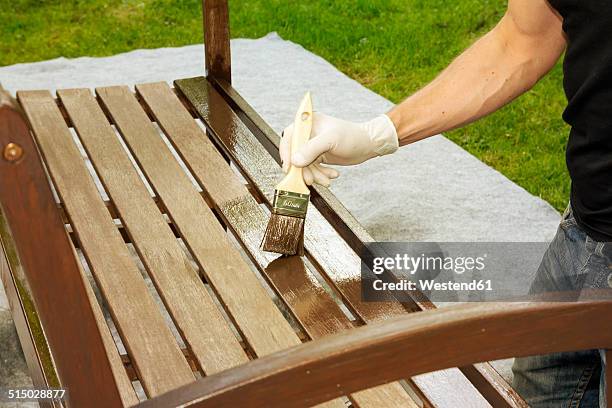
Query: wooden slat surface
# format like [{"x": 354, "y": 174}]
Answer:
[
  {"x": 238, "y": 207},
  {"x": 326, "y": 202},
  {"x": 488, "y": 381},
  {"x": 126, "y": 390},
  {"x": 193, "y": 310},
  {"x": 261, "y": 322},
  {"x": 322, "y": 242},
  {"x": 148, "y": 340},
  {"x": 310, "y": 303},
  {"x": 248, "y": 303},
  {"x": 44, "y": 274}
]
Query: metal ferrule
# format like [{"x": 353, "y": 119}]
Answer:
[{"x": 290, "y": 203}]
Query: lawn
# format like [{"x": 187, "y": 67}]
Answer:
[{"x": 391, "y": 46}]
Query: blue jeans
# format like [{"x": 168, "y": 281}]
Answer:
[{"x": 573, "y": 261}]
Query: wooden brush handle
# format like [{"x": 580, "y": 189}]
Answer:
[{"x": 302, "y": 126}]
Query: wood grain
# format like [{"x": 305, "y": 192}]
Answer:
[
  {"x": 326, "y": 247},
  {"x": 377, "y": 353},
  {"x": 258, "y": 319},
  {"x": 237, "y": 206},
  {"x": 189, "y": 303},
  {"x": 327, "y": 250},
  {"x": 292, "y": 279},
  {"x": 261, "y": 322},
  {"x": 149, "y": 342},
  {"x": 313, "y": 307},
  {"x": 43, "y": 249},
  {"x": 217, "y": 39},
  {"x": 486, "y": 379},
  {"x": 124, "y": 384},
  {"x": 326, "y": 202}
]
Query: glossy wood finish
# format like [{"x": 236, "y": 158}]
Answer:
[
  {"x": 345, "y": 224},
  {"x": 150, "y": 343},
  {"x": 217, "y": 39},
  {"x": 324, "y": 245},
  {"x": 290, "y": 276},
  {"x": 377, "y": 353},
  {"x": 486, "y": 379},
  {"x": 48, "y": 263},
  {"x": 312, "y": 306},
  {"x": 236, "y": 205},
  {"x": 326, "y": 249},
  {"x": 326, "y": 202},
  {"x": 194, "y": 312}
]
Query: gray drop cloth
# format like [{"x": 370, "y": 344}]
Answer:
[{"x": 433, "y": 190}]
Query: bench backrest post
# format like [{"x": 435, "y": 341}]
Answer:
[
  {"x": 34, "y": 227},
  {"x": 217, "y": 39}
]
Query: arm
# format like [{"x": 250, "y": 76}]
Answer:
[{"x": 499, "y": 67}]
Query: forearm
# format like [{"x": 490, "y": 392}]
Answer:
[
  {"x": 496, "y": 69},
  {"x": 493, "y": 71}
]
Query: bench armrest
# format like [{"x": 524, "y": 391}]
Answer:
[{"x": 398, "y": 348}]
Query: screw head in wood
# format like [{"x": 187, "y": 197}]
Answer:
[{"x": 12, "y": 152}]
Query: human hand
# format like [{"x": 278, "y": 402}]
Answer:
[{"x": 339, "y": 142}]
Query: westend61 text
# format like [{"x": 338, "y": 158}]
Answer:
[{"x": 429, "y": 285}]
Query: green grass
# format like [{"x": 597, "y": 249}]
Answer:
[{"x": 391, "y": 46}]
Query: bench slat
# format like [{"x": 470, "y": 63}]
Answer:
[
  {"x": 44, "y": 284},
  {"x": 189, "y": 303},
  {"x": 235, "y": 203},
  {"x": 284, "y": 271},
  {"x": 322, "y": 242},
  {"x": 247, "y": 301},
  {"x": 149, "y": 341},
  {"x": 126, "y": 390},
  {"x": 310, "y": 303}
]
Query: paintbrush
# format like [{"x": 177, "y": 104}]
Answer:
[{"x": 285, "y": 231}]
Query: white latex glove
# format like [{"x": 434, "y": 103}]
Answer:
[{"x": 340, "y": 142}]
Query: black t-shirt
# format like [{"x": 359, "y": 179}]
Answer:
[{"x": 587, "y": 82}]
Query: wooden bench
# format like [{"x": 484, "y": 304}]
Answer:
[{"x": 133, "y": 269}]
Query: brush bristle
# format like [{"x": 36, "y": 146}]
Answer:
[{"x": 284, "y": 235}]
